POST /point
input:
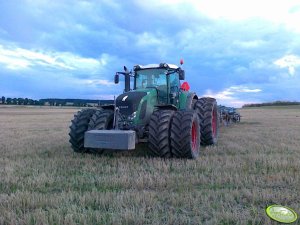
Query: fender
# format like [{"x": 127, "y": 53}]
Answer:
[
  {"x": 190, "y": 101},
  {"x": 170, "y": 106}
]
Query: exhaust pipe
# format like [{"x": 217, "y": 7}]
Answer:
[
  {"x": 127, "y": 82},
  {"x": 127, "y": 79},
  {"x": 127, "y": 75}
]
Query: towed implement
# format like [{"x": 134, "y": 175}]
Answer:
[
  {"x": 228, "y": 115},
  {"x": 158, "y": 110}
]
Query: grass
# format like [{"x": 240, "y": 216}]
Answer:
[{"x": 256, "y": 163}]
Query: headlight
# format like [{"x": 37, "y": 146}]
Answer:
[{"x": 132, "y": 116}]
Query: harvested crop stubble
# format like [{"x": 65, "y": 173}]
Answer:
[{"x": 255, "y": 163}]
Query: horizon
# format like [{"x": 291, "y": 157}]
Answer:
[{"x": 241, "y": 55}]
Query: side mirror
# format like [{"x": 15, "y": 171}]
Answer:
[
  {"x": 116, "y": 78},
  {"x": 181, "y": 75}
]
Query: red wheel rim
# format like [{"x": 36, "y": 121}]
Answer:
[
  {"x": 214, "y": 123},
  {"x": 194, "y": 137}
]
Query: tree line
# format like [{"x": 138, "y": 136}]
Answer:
[
  {"x": 276, "y": 103},
  {"x": 54, "y": 102}
]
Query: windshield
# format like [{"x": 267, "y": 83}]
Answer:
[{"x": 150, "y": 78}]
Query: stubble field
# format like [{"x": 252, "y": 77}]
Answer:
[{"x": 256, "y": 163}]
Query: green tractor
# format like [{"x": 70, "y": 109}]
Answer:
[{"x": 157, "y": 110}]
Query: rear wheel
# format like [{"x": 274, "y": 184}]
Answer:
[
  {"x": 159, "y": 133},
  {"x": 185, "y": 134},
  {"x": 209, "y": 122},
  {"x": 79, "y": 126}
]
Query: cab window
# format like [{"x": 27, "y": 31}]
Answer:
[{"x": 150, "y": 78}]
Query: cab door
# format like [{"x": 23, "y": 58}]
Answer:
[{"x": 174, "y": 89}]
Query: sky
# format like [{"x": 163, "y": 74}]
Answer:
[{"x": 238, "y": 51}]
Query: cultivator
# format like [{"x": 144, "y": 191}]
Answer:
[{"x": 228, "y": 115}]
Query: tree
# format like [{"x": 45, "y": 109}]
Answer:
[
  {"x": 8, "y": 101},
  {"x": 63, "y": 103},
  {"x": 15, "y": 101},
  {"x": 20, "y": 101},
  {"x": 26, "y": 101},
  {"x": 3, "y": 100}
]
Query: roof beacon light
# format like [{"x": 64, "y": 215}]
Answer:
[{"x": 181, "y": 61}]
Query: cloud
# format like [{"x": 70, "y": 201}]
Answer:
[
  {"x": 249, "y": 44},
  {"x": 19, "y": 58},
  {"x": 148, "y": 39},
  {"x": 43, "y": 73},
  {"x": 97, "y": 82},
  {"x": 232, "y": 95},
  {"x": 289, "y": 61},
  {"x": 233, "y": 48},
  {"x": 244, "y": 89},
  {"x": 282, "y": 11}
]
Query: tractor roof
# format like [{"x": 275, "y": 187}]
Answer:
[{"x": 154, "y": 66}]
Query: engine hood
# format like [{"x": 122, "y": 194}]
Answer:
[{"x": 129, "y": 101}]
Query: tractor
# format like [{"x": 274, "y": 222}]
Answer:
[{"x": 158, "y": 109}]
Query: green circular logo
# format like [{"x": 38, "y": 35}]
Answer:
[{"x": 281, "y": 214}]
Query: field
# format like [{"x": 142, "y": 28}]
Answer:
[{"x": 256, "y": 163}]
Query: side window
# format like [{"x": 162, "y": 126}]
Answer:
[{"x": 174, "y": 81}]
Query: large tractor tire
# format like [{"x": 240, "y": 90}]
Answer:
[
  {"x": 159, "y": 133},
  {"x": 209, "y": 121},
  {"x": 185, "y": 134},
  {"x": 101, "y": 120},
  {"x": 79, "y": 126}
]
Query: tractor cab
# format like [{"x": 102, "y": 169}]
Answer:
[
  {"x": 164, "y": 78},
  {"x": 154, "y": 86}
]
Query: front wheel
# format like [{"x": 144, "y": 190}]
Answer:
[
  {"x": 101, "y": 120},
  {"x": 79, "y": 126}
]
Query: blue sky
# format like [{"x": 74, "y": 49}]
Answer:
[{"x": 237, "y": 51}]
